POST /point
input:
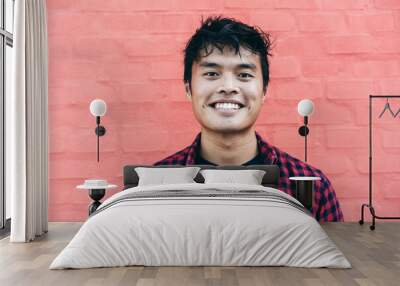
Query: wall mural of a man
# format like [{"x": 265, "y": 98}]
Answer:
[{"x": 226, "y": 76}]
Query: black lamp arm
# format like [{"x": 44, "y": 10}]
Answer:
[
  {"x": 100, "y": 131},
  {"x": 303, "y": 131}
]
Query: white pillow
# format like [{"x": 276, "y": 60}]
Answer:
[
  {"x": 249, "y": 177},
  {"x": 162, "y": 176}
]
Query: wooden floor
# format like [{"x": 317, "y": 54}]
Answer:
[{"x": 374, "y": 255}]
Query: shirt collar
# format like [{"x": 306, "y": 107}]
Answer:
[{"x": 267, "y": 151}]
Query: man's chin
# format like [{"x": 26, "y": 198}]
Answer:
[{"x": 228, "y": 130}]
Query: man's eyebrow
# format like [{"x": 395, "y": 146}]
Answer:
[
  {"x": 247, "y": 66},
  {"x": 239, "y": 66},
  {"x": 209, "y": 65}
]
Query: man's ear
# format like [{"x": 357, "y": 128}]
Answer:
[
  {"x": 264, "y": 94},
  {"x": 188, "y": 91}
]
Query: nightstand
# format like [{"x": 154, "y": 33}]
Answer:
[
  {"x": 97, "y": 190},
  {"x": 305, "y": 190}
]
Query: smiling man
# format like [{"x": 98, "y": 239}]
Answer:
[{"x": 226, "y": 77}]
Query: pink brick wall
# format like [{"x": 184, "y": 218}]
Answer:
[{"x": 129, "y": 54}]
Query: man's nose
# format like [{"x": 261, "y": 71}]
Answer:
[{"x": 228, "y": 85}]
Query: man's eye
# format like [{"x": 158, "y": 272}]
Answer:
[
  {"x": 212, "y": 74},
  {"x": 245, "y": 75}
]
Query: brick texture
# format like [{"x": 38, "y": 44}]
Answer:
[
  {"x": 344, "y": 4},
  {"x": 299, "y": 4},
  {"x": 353, "y": 44},
  {"x": 129, "y": 53},
  {"x": 387, "y": 4},
  {"x": 322, "y": 22},
  {"x": 274, "y": 20},
  {"x": 350, "y": 89},
  {"x": 363, "y": 22},
  {"x": 293, "y": 89}
]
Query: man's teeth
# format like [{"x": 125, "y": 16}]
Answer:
[{"x": 227, "y": 106}]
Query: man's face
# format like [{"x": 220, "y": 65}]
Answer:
[{"x": 227, "y": 90}]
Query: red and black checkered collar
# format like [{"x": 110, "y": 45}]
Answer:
[{"x": 267, "y": 152}]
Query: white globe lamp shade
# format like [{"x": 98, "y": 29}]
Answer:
[
  {"x": 98, "y": 107},
  {"x": 305, "y": 107}
]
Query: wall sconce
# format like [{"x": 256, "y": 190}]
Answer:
[
  {"x": 98, "y": 108},
  {"x": 305, "y": 108}
]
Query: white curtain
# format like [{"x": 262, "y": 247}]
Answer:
[{"x": 26, "y": 124}]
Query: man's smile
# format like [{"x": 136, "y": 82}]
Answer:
[{"x": 226, "y": 108}]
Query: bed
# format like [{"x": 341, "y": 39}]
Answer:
[{"x": 201, "y": 223}]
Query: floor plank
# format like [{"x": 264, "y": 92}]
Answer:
[{"x": 374, "y": 255}]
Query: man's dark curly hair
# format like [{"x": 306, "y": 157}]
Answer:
[{"x": 219, "y": 32}]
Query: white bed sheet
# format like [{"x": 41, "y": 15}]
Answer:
[{"x": 195, "y": 231}]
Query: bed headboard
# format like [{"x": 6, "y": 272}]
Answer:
[{"x": 270, "y": 179}]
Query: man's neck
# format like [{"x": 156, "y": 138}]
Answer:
[{"x": 228, "y": 148}]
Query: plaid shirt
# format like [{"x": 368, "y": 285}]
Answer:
[{"x": 326, "y": 206}]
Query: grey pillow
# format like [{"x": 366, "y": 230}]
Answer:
[
  {"x": 162, "y": 176},
  {"x": 249, "y": 177}
]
